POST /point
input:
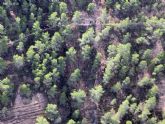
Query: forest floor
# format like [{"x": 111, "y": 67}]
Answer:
[
  {"x": 25, "y": 111},
  {"x": 161, "y": 104},
  {"x": 161, "y": 84}
]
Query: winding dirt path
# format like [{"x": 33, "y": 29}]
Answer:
[{"x": 161, "y": 104}]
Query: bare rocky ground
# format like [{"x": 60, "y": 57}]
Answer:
[{"x": 25, "y": 111}]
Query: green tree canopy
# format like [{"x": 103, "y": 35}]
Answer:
[
  {"x": 41, "y": 120},
  {"x": 25, "y": 90},
  {"x": 52, "y": 113},
  {"x": 78, "y": 96},
  {"x": 96, "y": 93}
]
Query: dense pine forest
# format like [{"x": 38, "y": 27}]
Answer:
[{"x": 82, "y": 62}]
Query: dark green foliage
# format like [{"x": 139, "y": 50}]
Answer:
[
  {"x": 61, "y": 65},
  {"x": 64, "y": 20},
  {"x": 71, "y": 53},
  {"x": 63, "y": 98},
  {"x": 96, "y": 93},
  {"x": 56, "y": 41},
  {"x": 98, "y": 61},
  {"x": 87, "y": 37},
  {"x": 74, "y": 77},
  {"x": 25, "y": 90},
  {"x": 135, "y": 58},
  {"x": 76, "y": 17},
  {"x": 147, "y": 55},
  {"x": 2, "y": 65},
  {"x": 86, "y": 52},
  {"x": 48, "y": 80},
  {"x": 82, "y": 3},
  {"x": 91, "y": 7},
  {"x": 124, "y": 7},
  {"x": 52, "y": 113},
  {"x": 116, "y": 87},
  {"x": 78, "y": 96},
  {"x": 36, "y": 28},
  {"x": 108, "y": 118},
  {"x": 119, "y": 55},
  {"x": 142, "y": 65},
  {"x": 6, "y": 89},
  {"x": 153, "y": 91},
  {"x": 76, "y": 114},
  {"x": 52, "y": 92},
  {"x": 63, "y": 7},
  {"x": 18, "y": 61},
  {"x": 158, "y": 69},
  {"x": 53, "y": 19},
  {"x": 71, "y": 122},
  {"x": 145, "y": 81},
  {"x": 41, "y": 120},
  {"x": 3, "y": 40}
]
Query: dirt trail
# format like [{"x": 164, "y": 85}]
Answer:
[
  {"x": 90, "y": 109},
  {"x": 99, "y": 46},
  {"x": 157, "y": 48},
  {"x": 161, "y": 85}
]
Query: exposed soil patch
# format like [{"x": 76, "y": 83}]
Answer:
[
  {"x": 158, "y": 48},
  {"x": 26, "y": 113}
]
